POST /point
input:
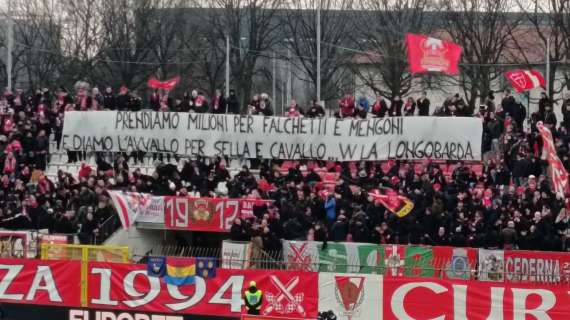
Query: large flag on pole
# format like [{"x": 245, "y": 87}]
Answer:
[
  {"x": 393, "y": 201},
  {"x": 524, "y": 80},
  {"x": 427, "y": 54},
  {"x": 558, "y": 173}
]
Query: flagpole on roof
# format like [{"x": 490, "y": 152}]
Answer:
[
  {"x": 319, "y": 52},
  {"x": 227, "y": 66},
  {"x": 10, "y": 37},
  {"x": 273, "y": 80},
  {"x": 547, "y": 81}
]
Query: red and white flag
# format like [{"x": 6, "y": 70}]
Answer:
[
  {"x": 558, "y": 173},
  {"x": 166, "y": 85},
  {"x": 130, "y": 204},
  {"x": 524, "y": 80},
  {"x": 427, "y": 54}
]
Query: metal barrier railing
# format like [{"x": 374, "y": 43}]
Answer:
[
  {"x": 431, "y": 268},
  {"x": 107, "y": 228}
]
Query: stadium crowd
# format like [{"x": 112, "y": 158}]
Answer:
[{"x": 506, "y": 202}]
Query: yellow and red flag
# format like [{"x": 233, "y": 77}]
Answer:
[{"x": 396, "y": 203}]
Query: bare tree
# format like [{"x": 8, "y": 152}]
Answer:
[
  {"x": 208, "y": 68},
  {"x": 253, "y": 28},
  {"x": 301, "y": 24},
  {"x": 124, "y": 41},
  {"x": 37, "y": 33},
  {"x": 205, "y": 47},
  {"x": 483, "y": 28},
  {"x": 167, "y": 35},
  {"x": 382, "y": 26},
  {"x": 546, "y": 23},
  {"x": 81, "y": 38}
]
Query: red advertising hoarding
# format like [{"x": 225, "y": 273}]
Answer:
[
  {"x": 420, "y": 298},
  {"x": 44, "y": 282},
  {"x": 206, "y": 214},
  {"x": 127, "y": 287},
  {"x": 537, "y": 267}
]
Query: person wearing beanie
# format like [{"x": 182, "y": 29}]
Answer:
[{"x": 423, "y": 104}]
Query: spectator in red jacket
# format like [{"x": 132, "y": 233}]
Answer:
[
  {"x": 85, "y": 170},
  {"x": 293, "y": 110},
  {"x": 346, "y": 106}
]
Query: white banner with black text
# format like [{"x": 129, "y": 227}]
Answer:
[{"x": 212, "y": 135}]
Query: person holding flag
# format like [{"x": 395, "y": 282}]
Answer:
[{"x": 394, "y": 202}]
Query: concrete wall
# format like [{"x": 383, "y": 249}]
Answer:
[{"x": 139, "y": 241}]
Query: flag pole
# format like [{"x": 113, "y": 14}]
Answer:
[
  {"x": 548, "y": 67},
  {"x": 319, "y": 52},
  {"x": 227, "y": 66}
]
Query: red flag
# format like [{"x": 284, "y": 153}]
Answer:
[
  {"x": 426, "y": 54},
  {"x": 524, "y": 80},
  {"x": 394, "y": 202},
  {"x": 165, "y": 85},
  {"x": 558, "y": 173}
]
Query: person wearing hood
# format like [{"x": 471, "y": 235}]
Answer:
[
  {"x": 362, "y": 107},
  {"x": 232, "y": 103}
]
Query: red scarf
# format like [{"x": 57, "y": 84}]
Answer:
[
  {"x": 199, "y": 101},
  {"x": 83, "y": 103},
  {"x": 10, "y": 165},
  {"x": 43, "y": 186},
  {"x": 8, "y": 126},
  {"x": 216, "y": 102},
  {"x": 293, "y": 112}
]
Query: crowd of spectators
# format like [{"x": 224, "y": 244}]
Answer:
[{"x": 506, "y": 202}]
